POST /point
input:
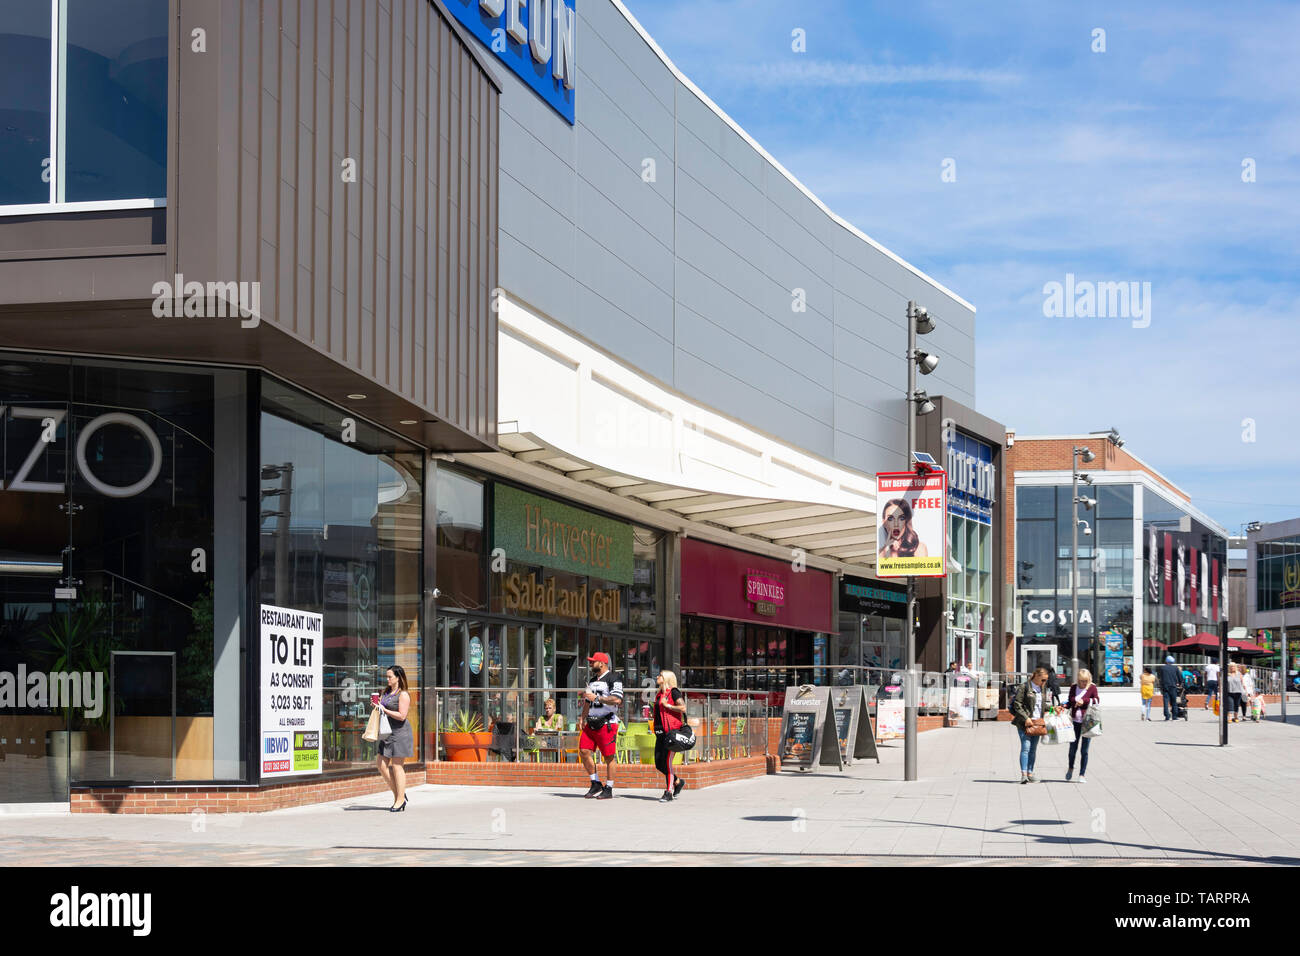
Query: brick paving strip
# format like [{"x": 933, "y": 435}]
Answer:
[{"x": 1157, "y": 794}]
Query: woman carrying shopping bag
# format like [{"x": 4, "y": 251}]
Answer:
[
  {"x": 1083, "y": 694},
  {"x": 1027, "y": 707},
  {"x": 669, "y": 715}
]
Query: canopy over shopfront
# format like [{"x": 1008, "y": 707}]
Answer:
[
  {"x": 1209, "y": 644},
  {"x": 568, "y": 406}
]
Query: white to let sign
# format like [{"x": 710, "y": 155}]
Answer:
[{"x": 290, "y": 650}]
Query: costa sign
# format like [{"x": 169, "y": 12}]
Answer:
[
  {"x": 1050, "y": 616},
  {"x": 50, "y": 419}
]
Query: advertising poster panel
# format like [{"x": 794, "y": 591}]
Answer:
[
  {"x": 290, "y": 650},
  {"x": 910, "y": 530},
  {"x": 889, "y": 719}
]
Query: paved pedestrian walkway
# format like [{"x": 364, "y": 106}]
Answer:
[{"x": 1157, "y": 793}]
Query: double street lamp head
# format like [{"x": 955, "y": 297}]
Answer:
[
  {"x": 923, "y": 404},
  {"x": 1112, "y": 436},
  {"x": 1085, "y": 453}
]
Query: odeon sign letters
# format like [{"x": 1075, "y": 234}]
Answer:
[
  {"x": 53, "y": 417},
  {"x": 534, "y": 39}
]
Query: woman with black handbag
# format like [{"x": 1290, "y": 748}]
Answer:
[{"x": 669, "y": 716}]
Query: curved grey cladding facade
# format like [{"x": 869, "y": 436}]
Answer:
[{"x": 689, "y": 276}]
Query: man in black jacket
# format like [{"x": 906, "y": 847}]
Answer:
[{"x": 1171, "y": 682}]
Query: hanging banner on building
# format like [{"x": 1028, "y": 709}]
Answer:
[
  {"x": 1214, "y": 587},
  {"x": 1169, "y": 570},
  {"x": 1193, "y": 570},
  {"x": 1153, "y": 568},
  {"x": 1181, "y": 572},
  {"x": 911, "y": 529},
  {"x": 290, "y": 652},
  {"x": 1205, "y": 585}
]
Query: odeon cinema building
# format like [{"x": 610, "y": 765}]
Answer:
[{"x": 462, "y": 335}]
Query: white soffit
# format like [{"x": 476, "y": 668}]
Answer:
[{"x": 570, "y": 407}]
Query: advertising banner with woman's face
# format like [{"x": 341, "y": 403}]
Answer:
[{"x": 910, "y": 538}]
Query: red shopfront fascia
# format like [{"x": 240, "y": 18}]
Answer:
[{"x": 718, "y": 582}]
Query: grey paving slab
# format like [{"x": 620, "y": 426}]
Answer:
[{"x": 1156, "y": 793}]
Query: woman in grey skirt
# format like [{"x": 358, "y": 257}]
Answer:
[{"x": 399, "y": 744}]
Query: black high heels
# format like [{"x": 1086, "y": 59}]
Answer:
[{"x": 398, "y": 809}]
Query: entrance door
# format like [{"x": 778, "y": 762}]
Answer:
[
  {"x": 1037, "y": 655},
  {"x": 35, "y": 629}
]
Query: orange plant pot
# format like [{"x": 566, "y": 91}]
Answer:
[{"x": 466, "y": 748}]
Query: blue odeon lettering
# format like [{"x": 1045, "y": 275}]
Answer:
[
  {"x": 534, "y": 38},
  {"x": 972, "y": 481}
]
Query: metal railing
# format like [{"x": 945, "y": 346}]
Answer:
[
  {"x": 934, "y": 692},
  {"x": 727, "y": 723}
]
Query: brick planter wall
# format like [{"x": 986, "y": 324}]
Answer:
[
  {"x": 635, "y": 776},
  {"x": 250, "y": 799}
]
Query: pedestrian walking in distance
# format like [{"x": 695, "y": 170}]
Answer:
[
  {"x": 1148, "y": 692},
  {"x": 1211, "y": 683},
  {"x": 1171, "y": 680},
  {"x": 1054, "y": 687},
  {"x": 669, "y": 715},
  {"x": 1027, "y": 708},
  {"x": 1234, "y": 688},
  {"x": 1247, "y": 690},
  {"x": 1083, "y": 692},
  {"x": 600, "y": 703},
  {"x": 400, "y": 743}
]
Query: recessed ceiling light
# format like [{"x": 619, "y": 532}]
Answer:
[
  {"x": 356, "y": 396},
  {"x": 408, "y": 421}
]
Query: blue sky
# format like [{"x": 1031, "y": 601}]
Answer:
[{"x": 1116, "y": 166}]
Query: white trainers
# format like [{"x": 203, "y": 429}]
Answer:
[{"x": 1082, "y": 778}]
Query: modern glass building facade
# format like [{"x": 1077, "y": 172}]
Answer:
[{"x": 1128, "y": 611}]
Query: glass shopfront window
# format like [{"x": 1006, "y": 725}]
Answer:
[
  {"x": 531, "y": 624},
  {"x": 122, "y": 517},
  {"x": 341, "y": 530},
  {"x": 1277, "y": 573},
  {"x": 1196, "y": 558},
  {"x": 106, "y": 104},
  {"x": 1044, "y": 570}
]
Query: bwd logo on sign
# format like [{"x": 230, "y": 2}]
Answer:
[
  {"x": 534, "y": 38},
  {"x": 46, "y": 439}
]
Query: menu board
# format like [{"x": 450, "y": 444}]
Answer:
[
  {"x": 805, "y": 740},
  {"x": 852, "y": 723}
]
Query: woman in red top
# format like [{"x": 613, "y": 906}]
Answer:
[
  {"x": 1082, "y": 693},
  {"x": 669, "y": 714}
]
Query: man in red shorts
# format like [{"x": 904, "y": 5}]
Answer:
[{"x": 601, "y": 700}]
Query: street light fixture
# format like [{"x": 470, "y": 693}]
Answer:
[
  {"x": 919, "y": 322},
  {"x": 1086, "y": 454}
]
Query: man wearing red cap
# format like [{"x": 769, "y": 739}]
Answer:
[{"x": 603, "y": 697}]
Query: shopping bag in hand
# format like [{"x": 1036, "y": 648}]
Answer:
[{"x": 372, "y": 727}]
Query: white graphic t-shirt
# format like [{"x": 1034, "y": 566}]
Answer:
[{"x": 610, "y": 685}]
